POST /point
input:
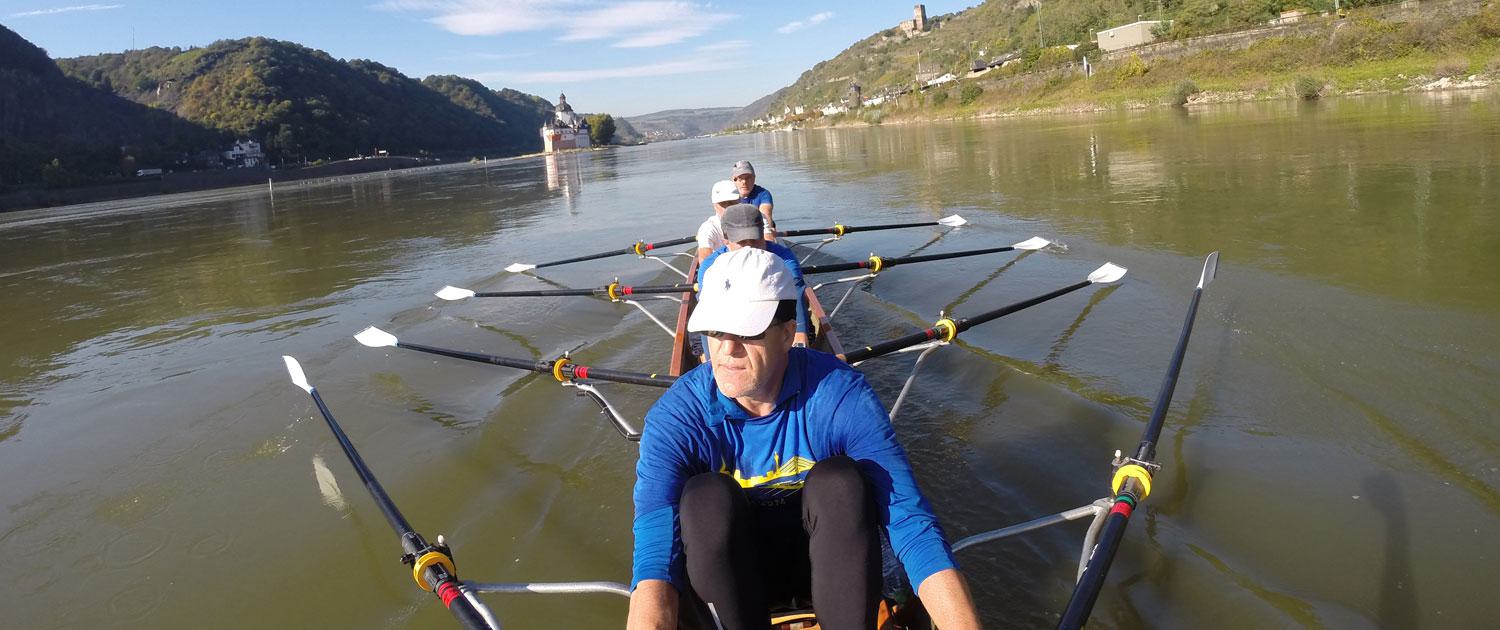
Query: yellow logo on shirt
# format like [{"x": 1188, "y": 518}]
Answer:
[{"x": 792, "y": 471}]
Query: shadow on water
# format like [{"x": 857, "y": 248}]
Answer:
[
  {"x": 1050, "y": 364},
  {"x": 968, "y": 293},
  {"x": 1398, "y": 597}
]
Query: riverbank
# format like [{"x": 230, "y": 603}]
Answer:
[
  {"x": 22, "y": 205},
  {"x": 1454, "y": 48}
]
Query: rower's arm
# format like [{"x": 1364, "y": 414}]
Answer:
[
  {"x": 653, "y": 606},
  {"x": 946, "y": 597},
  {"x": 703, "y": 252},
  {"x": 765, "y": 209}
]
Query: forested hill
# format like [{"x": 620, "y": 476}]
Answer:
[
  {"x": 892, "y": 59},
  {"x": 60, "y": 131},
  {"x": 304, "y": 104}
]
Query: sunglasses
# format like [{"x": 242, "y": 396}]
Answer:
[{"x": 724, "y": 336}]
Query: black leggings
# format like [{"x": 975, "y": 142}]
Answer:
[{"x": 744, "y": 558}]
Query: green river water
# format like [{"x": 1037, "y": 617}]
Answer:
[{"x": 1332, "y": 458}]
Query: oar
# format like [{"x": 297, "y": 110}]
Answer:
[
  {"x": 1132, "y": 478},
  {"x": 616, "y": 290},
  {"x": 561, "y": 369},
  {"x": 840, "y": 230},
  {"x": 432, "y": 565},
  {"x": 876, "y": 264},
  {"x": 639, "y": 248},
  {"x": 613, "y": 291},
  {"x": 948, "y": 328}
]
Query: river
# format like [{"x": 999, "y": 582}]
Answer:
[{"x": 1332, "y": 458}]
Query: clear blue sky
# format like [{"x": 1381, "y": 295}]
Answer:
[{"x": 621, "y": 57}]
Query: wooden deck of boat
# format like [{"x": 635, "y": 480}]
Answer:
[{"x": 683, "y": 359}]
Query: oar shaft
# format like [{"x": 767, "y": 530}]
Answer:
[
  {"x": 571, "y": 370},
  {"x": 1092, "y": 581},
  {"x": 539, "y": 293},
  {"x": 1147, "y": 449},
  {"x": 886, "y": 263},
  {"x": 970, "y": 322},
  {"x": 441, "y": 582},
  {"x": 383, "y": 500},
  {"x": 567, "y": 261},
  {"x": 643, "y": 248},
  {"x": 887, "y": 347},
  {"x": 849, "y": 229}
]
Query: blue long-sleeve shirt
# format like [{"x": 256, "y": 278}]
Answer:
[
  {"x": 804, "y": 319},
  {"x": 825, "y": 408}
]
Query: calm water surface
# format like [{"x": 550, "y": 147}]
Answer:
[{"x": 1332, "y": 460}]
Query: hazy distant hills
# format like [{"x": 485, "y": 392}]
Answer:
[
  {"x": 759, "y": 108},
  {"x": 672, "y": 124}
]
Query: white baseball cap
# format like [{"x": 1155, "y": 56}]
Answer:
[
  {"x": 724, "y": 190},
  {"x": 741, "y": 291}
]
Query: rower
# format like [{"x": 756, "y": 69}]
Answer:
[
  {"x": 711, "y": 233},
  {"x": 743, "y": 175},
  {"x": 744, "y": 226},
  {"x": 766, "y": 476}
]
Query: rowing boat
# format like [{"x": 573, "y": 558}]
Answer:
[
  {"x": 432, "y": 565},
  {"x": 683, "y": 358}
]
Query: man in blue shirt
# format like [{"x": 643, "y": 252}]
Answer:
[
  {"x": 765, "y": 476},
  {"x": 744, "y": 226},
  {"x": 743, "y": 176}
]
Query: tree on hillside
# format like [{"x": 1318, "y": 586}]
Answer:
[{"x": 601, "y": 129}]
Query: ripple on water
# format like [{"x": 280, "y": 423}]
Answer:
[
  {"x": 136, "y": 601},
  {"x": 135, "y": 546}
]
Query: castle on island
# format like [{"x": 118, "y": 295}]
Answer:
[{"x": 566, "y": 129}]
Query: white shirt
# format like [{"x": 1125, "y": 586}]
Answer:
[{"x": 711, "y": 234}]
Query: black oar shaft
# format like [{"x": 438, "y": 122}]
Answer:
[
  {"x": 442, "y": 583},
  {"x": 571, "y": 370},
  {"x": 886, "y": 347},
  {"x": 639, "y": 248},
  {"x": 892, "y": 262},
  {"x": 1147, "y": 449},
  {"x": 383, "y": 500},
  {"x": 850, "y": 229},
  {"x": 1133, "y": 489}
]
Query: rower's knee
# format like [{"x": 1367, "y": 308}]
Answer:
[
  {"x": 836, "y": 493},
  {"x": 710, "y": 504}
]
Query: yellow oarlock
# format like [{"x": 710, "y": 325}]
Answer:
[
  {"x": 876, "y": 263},
  {"x": 638, "y": 245},
  {"x": 838, "y": 230},
  {"x": 1136, "y": 471},
  {"x": 428, "y": 559},
  {"x": 949, "y": 328},
  {"x": 611, "y": 289},
  {"x": 557, "y": 368}
]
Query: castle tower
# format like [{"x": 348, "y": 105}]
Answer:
[{"x": 919, "y": 18}]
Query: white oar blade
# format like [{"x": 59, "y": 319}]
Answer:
[
  {"x": 1033, "y": 243},
  {"x": 454, "y": 293},
  {"x": 376, "y": 338},
  {"x": 952, "y": 220},
  {"x": 1106, "y": 274},
  {"x": 1210, "y": 269},
  {"x": 295, "y": 369},
  {"x": 519, "y": 267}
]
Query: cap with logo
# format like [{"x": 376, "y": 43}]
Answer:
[
  {"x": 724, "y": 190},
  {"x": 742, "y": 167},
  {"x": 741, "y": 291}
]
